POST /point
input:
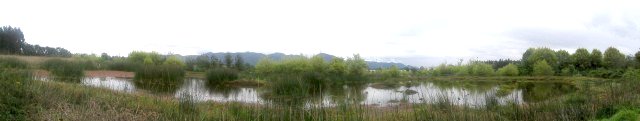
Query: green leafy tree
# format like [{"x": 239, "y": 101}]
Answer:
[
  {"x": 564, "y": 59},
  {"x": 581, "y": 59},
  {"x": 228, "y": 60},
  {"x": 538, "y": 54},
  {"x": 542, "y": 68},
  {"x": 613, "y": 59},
  {"x": 393, "y": 71},
  {"x": 239, "y": 63},
  {"x": 11, "y": 40},
  {"x": 337, "y": 67},
  {"x": 481, "y": 69},
  {"x": 317, "y": 64},
  {"x": 596, "y": 59},
  {"x": 174, "y": 60},
  {"x": 508, "y": 70},
  {"x": 356, "y": 66},
  {"x": 148, "y": 61}
]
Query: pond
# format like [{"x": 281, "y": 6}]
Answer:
[{"x": 468, "y": 93}]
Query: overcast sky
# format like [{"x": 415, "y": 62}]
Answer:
[{"x": 413, "y": 32}]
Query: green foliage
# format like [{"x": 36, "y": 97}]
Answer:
[
  {"x": 596, "y": 59},
  {"x": 149, "y": 58},
  {"x": 160, "y": 73},
  {"x": 564, "y": 59},
  {"x": 481, "y": 69},
  {"x": 239, "y": 63},
  {"x": 219, "y": 75},
  {"x": 11, "y": 62},
  {"x": 581, "y": 59},
  {"x": 541, "y": 68},
  {"x": 534, "y": 55},
  {"x": 392, "y": 72},
  {"x": 63, "y": 70},
  {"x": 356, "y": 66},
  {"x": 11, "y": 40},
  {"x": 631, "y": 75},
  {"x": 121, "y": 65},
  {"x": 637, "y": 58},
  {"x": 15, "y": 95},
  {"x": 174, "y": 60},
  {"x": 626, "y": 115},
  {"x": 613, "y": 59},
  {"x": 203, "y": 63},
  {"x": 509, "y": 70}
]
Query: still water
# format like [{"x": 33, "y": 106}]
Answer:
[{"x": 469, "y": 93}]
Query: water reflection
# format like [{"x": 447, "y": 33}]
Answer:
[
  {"x": 456, "y": 92},
  {"x": 198, "y": 90},
  {"x": 119, "y": 84}
]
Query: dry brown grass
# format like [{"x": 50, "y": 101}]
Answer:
[{"x": 34, "y": 61}]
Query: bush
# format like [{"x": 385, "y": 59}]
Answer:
[
  {"x": 63, "y": 70},
  {"x": 160, "y": 72},
  {"x": 218, "y": 75},
  {"x": 631, "y": 75},
  {"x": 11, "y": 62},
  {"x": 481, "y": 69},
  {"x": 625, "y": 115},
  {"x": 123, "y": 66},
  {"x": 508, "y": 70},
  {"x": 541, "y": 68}
]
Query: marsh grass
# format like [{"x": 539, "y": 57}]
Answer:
[
  {"x": 63, "y": 70},
  {"x": 160, "y": 73},
  {"x": 221, "y": 75},
  {"x": 12, "y": 62}
]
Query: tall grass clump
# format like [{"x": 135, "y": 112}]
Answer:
[
  {"x": 64, "y": 70},
  {"x": 12, "y": 62},
  {"x": 160, "y": 73},
  {"x": 220, "y": 75},
  {"x": 14, "y": 95}
]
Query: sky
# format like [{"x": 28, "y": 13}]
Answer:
[{"x": 419, "y": 33}]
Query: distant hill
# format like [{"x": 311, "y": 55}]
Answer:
[{"x": 252, "y": 58}]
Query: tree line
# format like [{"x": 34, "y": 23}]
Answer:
[
  {"x": 12, "y": 42},
  {"x": 547, "y": 62}
]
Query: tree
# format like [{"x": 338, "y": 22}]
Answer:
[
  {"x": 637, "y": 58},
  {"x": 542, "y": 68},
  {"x": 11, "y": 40},
  {"x": 508, "y": 70},
  {"x": 613, "y": 59},
  {"x": 564, "y": 59},
  {"x": 174, "y": 60},
  {"x": 337, "y": 67},
  {"x": 228, "y": 60},
  {"x": 393, "y": 71},
  {"x": 596, "y": 59},
  {"x": 356, "y": 66},
  {"x": 239, "y": 63},
  {"x": 481, "y": 69},
  {"x": 581, "y": 59},
  {"x": 539, "y": 54},
  {"x": 105, "y": 57}
]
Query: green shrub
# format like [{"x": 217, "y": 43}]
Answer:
[
  {"x": 541, "y": 68},
  {"x": 123, "y": 66},
  {"x": 11, "y": 62},
  {"x": 63, "y": 70},
  {"x": 218, "y": 75},
  {"x": 481, "y": 69},
  {"x": 508, "y": 70},
  {"x": 15, "y": 96},
  {"x": 631, "y": 75},
  {"x": 625, "y": 115}
]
